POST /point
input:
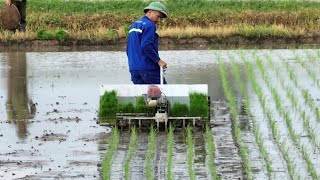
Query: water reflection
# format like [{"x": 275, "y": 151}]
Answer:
[{"x": 18, "y": 102}]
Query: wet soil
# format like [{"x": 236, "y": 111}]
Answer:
[{"x": 168, "y": 43}]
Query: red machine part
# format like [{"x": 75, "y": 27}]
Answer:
[{"x": 153, "y": 92}]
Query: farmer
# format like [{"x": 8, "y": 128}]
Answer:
[
  {"x": 21, "y": 6},
  {"x": 142, "y": 47}
]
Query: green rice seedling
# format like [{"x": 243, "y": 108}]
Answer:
[
  {"x": 179, "y": 110},
  {"x": 132, "y": 148},
  {"x": 198, "y": 104},
  {"x": 256, "y": 130},
  {"x": 170, "y": 154},
  {"x": 108, "y": 105},
  {"x": 211, "y": 151},
  {"x": 234, "y": 118},
  {"x": 306, "y": 123},
  {"x": 312, "y": 170},
  {"x": 190, "y": 155},
  {"x": 311, "y": 73},
  {"x": 141, "y": 106},
  {"x": 305, "y": 93},
  {"x": 126, "y": 108},
  {"x": 270, "y": 118},
  {"x": 113, "y": 143},
  {"x": 150, "y": 154}
]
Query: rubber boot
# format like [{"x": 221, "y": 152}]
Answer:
[{"x": 22, "y": 27}]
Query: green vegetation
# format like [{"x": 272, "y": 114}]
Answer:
[
  {"x": 150, "y": 154},
  {"x": 211, "y": 152},
  {"x": 100, "y": 21},
  {"x": 179, "y": 110},
  {"x": 170, "y": 154},
  {"x": 108, "y": 105},
  {"x": 234, "y": 117},
  {"x": 132, "y": 148},
  {"x": 256, "y": 131},
  {"x": 198, "y": 104},
  {"x": 190, "y": 155},
  {"x": 108, "y": 158}
]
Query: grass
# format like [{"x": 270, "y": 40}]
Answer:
[{"x": 100, "y": 21}]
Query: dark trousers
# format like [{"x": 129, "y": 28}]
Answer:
[
  {"x": 146, "y": 77},
  {"x": 21, "y": 5}
]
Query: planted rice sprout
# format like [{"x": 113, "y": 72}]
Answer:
[
  {"x": 170, "y": 154},
  {"x": 132, "y": 148},
  {"x": 305, "y": 93},
  {"x": 190, "y": 156},
  {"x": 298, "y": 108},
  {"x": 295, "y": 138},
  {"x": 113, "y": 143},
  {"x": 256, "y": 131},
  {"x": 211, "y": 152},
  {"x": 234, "y": 113},
  {"x": 150, "y": 154},
  {"x": 310, "y": 73},
  {"x": 271, "y": 120}
]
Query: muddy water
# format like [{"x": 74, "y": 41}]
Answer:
[
  {"x": 48, "y": 104},
  {"x": 48, "y": 110}
]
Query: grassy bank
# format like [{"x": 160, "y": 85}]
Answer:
[{"x": 99, "y": 21}]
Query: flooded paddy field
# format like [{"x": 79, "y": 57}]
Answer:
[{"x": 264, "y": 123}]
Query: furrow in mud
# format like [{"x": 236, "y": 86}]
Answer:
[
  {"x": 179, "y": 167},
  {"x": 117, "y": 170},
  {"x": 227, "y": 158},
  {"x": 200, "y": 155},
  {"x": 160, "y": 162},
  {"x": 256, "y": 161},
  {"x": 137, "y": 163}
]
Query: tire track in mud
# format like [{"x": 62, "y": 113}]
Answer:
[
  {"x": 179, "y": 165},
  {"x": 117, "y": 170},
  {"x": 137, "y": 163},
  {"x": 160, "y": 161},
  {"x": 200, "y": 155},
  {"x": 228, "y": 161}
]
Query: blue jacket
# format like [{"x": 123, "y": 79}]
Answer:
[{"x": 142, "y": 46}]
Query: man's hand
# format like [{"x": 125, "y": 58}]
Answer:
[
  {"x": 8, "y": 2},
  {"x": 162, "y": 63}
]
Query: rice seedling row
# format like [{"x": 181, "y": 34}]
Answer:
[
  {"x": 291, "y": 167},
  {"x": 132, "y": 148},
  {"x": 190, "y": 156},
  {"x": 256, "y": 131},
  {"x": 305, "y": 92},
  {"x": 108, "y": 158},
  {"x": 170, "y": 154},
  {"x": 211, "y": 152},
  {"x": 150, "y": 154},
  {"x": 234, "y": 114},
  {"x": 295, "y": 137}
]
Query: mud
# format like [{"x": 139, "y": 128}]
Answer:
[{"x": 167, "y": 43}]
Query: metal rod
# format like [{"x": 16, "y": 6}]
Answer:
[{"x": 161, "y": 75}]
